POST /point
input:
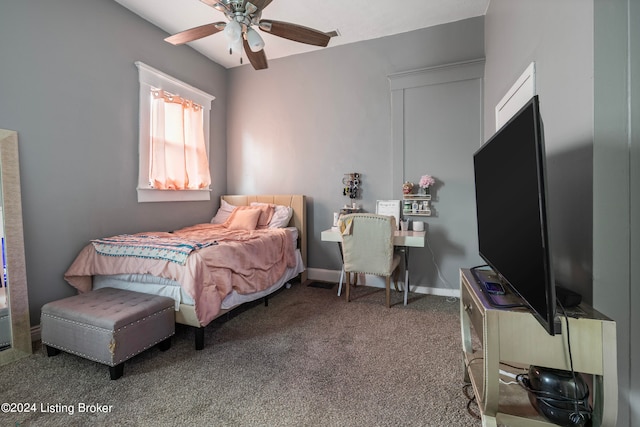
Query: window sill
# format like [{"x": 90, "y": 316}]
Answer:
[{"x": 154, "y": 195}]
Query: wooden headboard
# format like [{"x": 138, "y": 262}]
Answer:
[{"x": 299, "y": 218}]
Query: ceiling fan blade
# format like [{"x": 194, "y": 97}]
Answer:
[
  {"x": 260, "y": 4},
  {"x": 195, "y": 33},
  {"x": 295, "y": 32},
  {"x": 218, "y": 5},
  {"x": 258, "y": 59}
]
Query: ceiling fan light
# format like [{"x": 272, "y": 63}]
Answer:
[
  {"x": 256, "y": 44},
  {"x": 233, "y": 31},
  {"x": 235, "y": 46}
]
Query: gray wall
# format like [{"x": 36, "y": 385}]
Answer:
[
  {"x": 558, "y": 37},
  {"x": 616, "y": 173},
  {"x": 307, "y": 120},
  {"x": 69, "y": 86},
  {"x": 590, "y": 112}
]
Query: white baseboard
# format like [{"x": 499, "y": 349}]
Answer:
[{"x": 378, "y": 282}]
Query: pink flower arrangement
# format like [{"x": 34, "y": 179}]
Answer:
[{"x": 426, "y": 181}]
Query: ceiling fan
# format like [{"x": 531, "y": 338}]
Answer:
[{"x": 242, "y": 16}]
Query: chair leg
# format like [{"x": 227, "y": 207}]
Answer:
[
  {"x": 395, "y": 279},
  {"x": 388, "y": 290},
  {"x": 348, "y": 285},
  {"x": 396, "y": 275}
]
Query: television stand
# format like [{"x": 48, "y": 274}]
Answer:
[{"x": 515, "y": 337}]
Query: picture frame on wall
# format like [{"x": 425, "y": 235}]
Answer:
[{"x": 390, "y": 208}]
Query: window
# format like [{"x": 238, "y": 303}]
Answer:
[{"x": 173, "y": 140}]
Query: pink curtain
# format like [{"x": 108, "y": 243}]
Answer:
[{"x": 178, "y": 153}]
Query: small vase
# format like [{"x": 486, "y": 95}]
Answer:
[{"x": 423, "y": 191}]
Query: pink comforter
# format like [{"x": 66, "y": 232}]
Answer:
[{"x": 244, "y": 261}]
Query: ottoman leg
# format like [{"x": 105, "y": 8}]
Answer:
[
  {"x": 165, "y": 345},
  {"x": 52, "y": 351},
  {"x": 116, "y": 371}
]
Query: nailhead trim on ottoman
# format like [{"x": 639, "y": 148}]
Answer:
[{"x": 108, "y": 325}]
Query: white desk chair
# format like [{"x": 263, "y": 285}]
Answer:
[{"x": 367, "y": 248}]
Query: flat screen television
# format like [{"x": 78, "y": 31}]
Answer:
[{"x": 511, "y": 204}]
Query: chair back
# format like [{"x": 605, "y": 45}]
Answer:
[{"x": 367, "y": 243}]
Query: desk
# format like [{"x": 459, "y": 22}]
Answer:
[{"x": 402, "y": 239}]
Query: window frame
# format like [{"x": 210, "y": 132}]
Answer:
[{"x": 149, "y": 79}]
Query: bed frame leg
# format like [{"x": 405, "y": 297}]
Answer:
[{"x": 199, "y": 338}]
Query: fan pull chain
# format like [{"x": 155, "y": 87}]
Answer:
[{"x": 231, "y": 53}]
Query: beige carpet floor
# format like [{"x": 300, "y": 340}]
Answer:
[{"x": 308, "y": 359}]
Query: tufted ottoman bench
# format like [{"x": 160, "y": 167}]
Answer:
[
  {"x": 5, "y": 327},
  {"x": 108, "y": 326}
]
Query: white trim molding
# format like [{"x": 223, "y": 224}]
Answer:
[
  {"x": 522, "y": 91},
  {"x": 149, "y": 79}
]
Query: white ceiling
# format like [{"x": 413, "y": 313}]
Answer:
[{"x": 355, "y": 20}]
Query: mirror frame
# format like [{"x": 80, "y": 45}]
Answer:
[{"x": 17, "y": 294}]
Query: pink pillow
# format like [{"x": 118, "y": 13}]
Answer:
[
  {"x": 266, "y": 212},
  {"x": 281, "y": 215},
  {"x": 243, "y": 219}
]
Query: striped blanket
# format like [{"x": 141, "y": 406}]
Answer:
[{"x": 171, "y": 248}]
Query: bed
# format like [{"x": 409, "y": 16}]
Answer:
[{"x": 209, "y": 269}]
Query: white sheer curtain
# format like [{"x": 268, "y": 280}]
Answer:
[{"x": 178, "y": 153}]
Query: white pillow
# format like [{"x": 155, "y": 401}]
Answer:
[
  {"x": 281, "y": 215},
  {"x": 223, "y": 213}
]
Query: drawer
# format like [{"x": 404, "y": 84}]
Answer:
[{"x": 474, "y": 312}]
